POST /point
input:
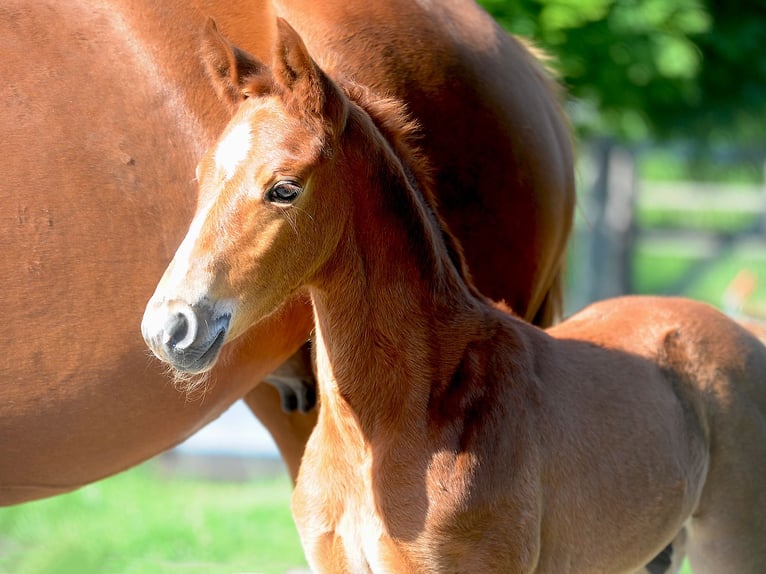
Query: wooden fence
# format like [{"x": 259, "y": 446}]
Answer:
[{"x": 608, "y": 230}]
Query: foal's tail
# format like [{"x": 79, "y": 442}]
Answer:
[{"x": 551, "y": 309}]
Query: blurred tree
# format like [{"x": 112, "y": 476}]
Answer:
[{"x": 660, "y": 68}]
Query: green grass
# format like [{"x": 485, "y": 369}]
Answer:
[{"x": 135, "y": 523}]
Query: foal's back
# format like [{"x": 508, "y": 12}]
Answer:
[
  {"x": 634, "y": 419},
  {"x": 696, "y": 381}
]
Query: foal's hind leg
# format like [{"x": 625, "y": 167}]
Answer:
[{"x": 727, "y": 532}]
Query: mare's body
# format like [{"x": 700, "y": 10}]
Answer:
[
  {"x": 105, "y": 110},
  {"x": 453, "y": 436}
]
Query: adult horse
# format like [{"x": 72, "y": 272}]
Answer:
[
  {"x": 105, "y": 109},
  {"x": 453, "y": 436}
]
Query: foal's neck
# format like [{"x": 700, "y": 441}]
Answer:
[{"x": 394, "y": 315}]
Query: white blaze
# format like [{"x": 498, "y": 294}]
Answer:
[{"x": 232, "y": 150}]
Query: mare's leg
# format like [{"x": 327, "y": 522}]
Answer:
[
  {"x": 290, "y": 429},
  {"x": 296, "y": 382}
]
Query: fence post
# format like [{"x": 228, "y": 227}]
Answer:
[
  {"x": 612, "y": 201},
  {"x": 763, "y": 198}
]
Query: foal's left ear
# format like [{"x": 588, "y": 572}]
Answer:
[
  {"x": 300, "y": 77},
  {"x": 233, "y": 71}
]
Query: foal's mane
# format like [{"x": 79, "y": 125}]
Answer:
[{"x": 402, "y": 133}]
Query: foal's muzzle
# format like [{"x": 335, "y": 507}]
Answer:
[{"x": 188, "y": 337}]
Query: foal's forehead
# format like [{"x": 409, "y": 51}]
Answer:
[
  {"x": 262, "y": 131},
  {"x": 233, "y": 148}
]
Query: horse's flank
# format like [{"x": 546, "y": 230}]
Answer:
[{"x": 105, "y": 111}]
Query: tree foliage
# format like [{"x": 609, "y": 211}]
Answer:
[{"x": 639, "y": 68}]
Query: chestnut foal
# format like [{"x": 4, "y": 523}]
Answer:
[{"x": 452, "y": 436}]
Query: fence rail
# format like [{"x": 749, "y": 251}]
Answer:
[{"x": 618, "y": 211}]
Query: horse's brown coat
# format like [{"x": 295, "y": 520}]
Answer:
[
  {"x": 105, "y": 110},
  {"x": 452, "y": 435}
]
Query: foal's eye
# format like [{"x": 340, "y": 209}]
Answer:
[{"x": 283, "y": 192}]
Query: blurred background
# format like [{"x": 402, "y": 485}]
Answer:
[{"x": 668, "y": 103}]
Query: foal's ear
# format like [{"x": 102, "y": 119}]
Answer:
[
  {"x": 295, "y": 71},
  {"x": 233, "y": 72}
]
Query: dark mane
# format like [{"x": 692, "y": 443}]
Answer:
[{"x": 402, "y": 133}]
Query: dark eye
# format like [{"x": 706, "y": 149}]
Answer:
[{"x": 283, "y": 192}]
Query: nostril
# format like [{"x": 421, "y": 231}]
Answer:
[
  {"x": 176, "y": 330},
  {"x": 180, "y": 330}
]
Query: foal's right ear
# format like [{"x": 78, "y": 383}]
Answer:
[{"x": 233, "y": 72}]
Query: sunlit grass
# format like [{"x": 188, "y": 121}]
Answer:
[{"x": 135, "y": 523}]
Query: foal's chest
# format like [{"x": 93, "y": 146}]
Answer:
[
  {"x": 362, "y": 537},
  {"x": 340, "y": 529},
  {"x": 335, "y": 509}
]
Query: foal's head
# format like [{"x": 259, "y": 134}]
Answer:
[
  {"x": 274, "y": 199},
  {"x": 298, "y": 160}
]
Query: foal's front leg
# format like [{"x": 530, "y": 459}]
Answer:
[{"x": 329, "y": 554}]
